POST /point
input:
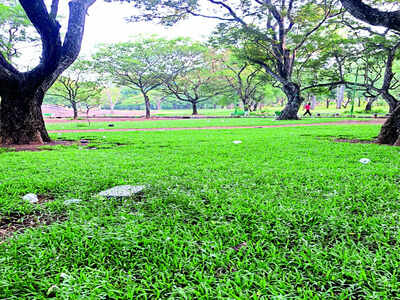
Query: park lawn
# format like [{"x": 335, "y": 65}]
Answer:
[
  {"x": 189, "y": 123},
  {"x": 270, "y": 110},
  {"x": 288, "y": 213}
]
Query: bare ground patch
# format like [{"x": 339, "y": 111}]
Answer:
[
  {"x": 39, "y": 147},
  {"x": 18, "y": 223},
  {"x": 355, "y": 141}
]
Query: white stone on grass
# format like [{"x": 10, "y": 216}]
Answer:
[
  {"x": 72, "y": 201},
  {"x": 32, "y": 198},
  {"x": 365, "y": 161},
  {"x": 237, "y": 142},
  {"x": 122, "y": 191}
]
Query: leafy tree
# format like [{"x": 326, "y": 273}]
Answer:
[
  {"x": 245, "y": 80},
  {"x": 22, "y": 93},
  {"x": 145, "y": 64},
  {"x": 197, "y": 84},
  {"x": 390, "y": 131},
  {"x": 277, "y": 32},
  {"x": 76, "y": 87}
]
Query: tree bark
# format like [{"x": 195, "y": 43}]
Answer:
[
  {"x": 75, "y": 109},
  {"x": 194, "y": 108},
  {"x": 390, "y": 131},
  {"x": 373, "y": 16},
  {"x": 21, "y": 119},
  {"x": 340, "y": 96},
  {"x": 292, "y": 91},
  {"x": 368, "y": 107},
  {"x": 147, "y": 104},
  {"x": 392, "y": 101}
]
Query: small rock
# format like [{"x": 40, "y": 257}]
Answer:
[
  {"x": 365, "y": 161},
  {"x": 84, "y": 141},
  {"x": 122, "y": 191},
  {"x": 32, "y": 198},
  {"x": 72, "y": 201},
  {"x": 237, "y": 142},
  {"x": 111, "y": 125}
]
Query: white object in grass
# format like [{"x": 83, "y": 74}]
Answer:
[
  {"x": 237, "y": 142},
  {"x": 72, "y": 201},
  {"x": 122, "y": 191},
  {"x": 365, "y": 161},
  {"x": 32, "y": 198}
]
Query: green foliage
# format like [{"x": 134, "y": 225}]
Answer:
[
  {"x": 15, "y": 28},
  {"x": 79, "y": 86}
]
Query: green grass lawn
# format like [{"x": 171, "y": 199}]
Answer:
[
  {"x": 189, "y": 123},
  {"x": 288, "y": 213},
  {"x": 270, "y": 110}
]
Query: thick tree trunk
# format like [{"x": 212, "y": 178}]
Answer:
[
  {"x": 291, "y": 109},
  {"x": 327, "y": 103},
  {"x": 390, "y": 131},
  {"x": 194, "y": 108},
  {"x": 147, "y": 103},
  {"x": 21, "y": 119},
  {"x": 391, "y": 101}
]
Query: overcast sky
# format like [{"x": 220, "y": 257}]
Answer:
[{"x": 106, "y": 24}]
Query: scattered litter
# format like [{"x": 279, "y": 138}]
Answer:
[
  {"x": 84, "y": 141},
  {"x": 111, "y": 125},
  {"x": 72, "y": 201},
  {"x": 237, "y": 142},
  {"x": 104, "y": 137},
  {"x": 365, "y": 161},
  {"x": 32, "y": 198}
]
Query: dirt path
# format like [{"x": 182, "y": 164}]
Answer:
[{"x": 378, "y": 121}]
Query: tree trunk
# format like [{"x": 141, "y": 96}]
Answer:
[
  {"x": 368, "y": 107},
  {"x": 147, "y": 103},
  {"x": 21, "y": 119},
  {"x": 75, "y": 109},
  {"x": 194, "y": 108},
  {"x": 328, "y": 102},
  {"x": 158, "y": 104},
  {"x": 392, "y": 101},
  {"x": 390, "y": 131},
  {"x": 291, "y": 109},
  {"x": 313, "y": 102},
  {"x": 340, "y": 96}
]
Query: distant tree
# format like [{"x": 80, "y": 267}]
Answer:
[
  {"x": 145, "y": 64},
  {"x": 246, "y": 80},
  {"x": 78, "y": 87},
  {"x": 197, "y": 85}
]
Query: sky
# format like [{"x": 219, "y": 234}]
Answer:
[{"x": 105, "y": 24}]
